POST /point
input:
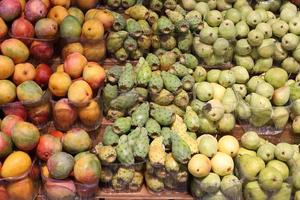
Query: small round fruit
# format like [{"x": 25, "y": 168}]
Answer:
[
  {"x": 222, "y": 164},
  {"x": 199, "y": 165},
  {"x": 229, "y": 145}
]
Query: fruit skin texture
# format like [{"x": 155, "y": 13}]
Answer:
[
  {"x": 46, "y": 28},
  {"x": 229, "y": 145},
  {"x": 76, "y": 141},
  {"x": 47, "y": 146},
  {"x": 270, "y": 179},
  {"x": 25, "y": 136},
  {"x": 15, "y": 49},
  {"x": 6, "y": 145},
  {"x": 16, "y": 164},
  {"x": 60, "y": 165},
  {"x": 8, "y": 123},
  {"x": 199, "y": 165},
  {"x": 87, "y": 169},
  {"x": 10, "y": 9},
  {"x": 58, "y": 13}
]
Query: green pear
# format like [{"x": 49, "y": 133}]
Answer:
[
  {"x": 290, "y": 65},
  {"x": 279, "y": 53},
  {"x": 243, "y": 151},
  {"x": 263, "y": 65},
  {"x": 263, "y": 14},
  {"x": 296, "y": 53},
  {"x": 227, "y": 30},
  {"x": 220, "y": 46},
  {"x": 213, "y": 110},
  {"x": 215, "y": 196},
  {"x": 207, "y": 126},
  {"x": 242, "y": 47},
  {"x": 242, "y": 29},
  {"x": 240, "y": 89},
  {"x": 294, "y": 25},
  {"x": 229, "y": 100},
  {"x": 214, "y": 60},
  {"x": 291, "y": 81},
  {"x": 243, "y": 110},
  {"x": 211, "y": 183},
  {"x": 296, "y": 179},
  {"x": 227, "y": 123},
  {"x": 285, "y": 192},
  {"x": 245, "y": 61},
  {"x": 250, "y": 166},
  {"x": 281, "y": 96},
  {"x": 250, "y": 140},
  {"x": 214, "y": 18},
  {"x": 233, "y": 14},
  {"x": 284, "y": 151},
  {"x": 212, "y": 4},
  {"x": 208, "y": 35},
  {"x": 231, "y": 187},
  {"x": 287, "y": 14},
  {"x": 288, "y": 5},
  {"x": 265, "y": 89},
  {"x": 240, "y": 3},
  {"x": 253, "y": 18},
  {"x": 261, "y": 109},
  {"x": 296, "y": 125},
  {"x": 271, "y": 15},
  {"x": 253, "y": 191},
  {"x": 213, "y": 75},
  {"x": 219, "y": 91},
  {"x": 280, "y": 117},
  {"x": 270, "y": 179},
  {"x": 245, "y": 10},
  {"x": 280, "y": 28},
  {"x": 226, "y": 78},
  {"x": 267, "y": 48},
  {"x": 241, "y": 74},
  {"x": 295, "y": 108},
  {"x": 281, "y": 167},
  {"x": 275, "y": 5},
  {"x": 204, "y": 91},
  {"x": 254, "y": 53},
  {"x": 255, "y": 37},
  {"x": 266, "y": 152},
  {"x": 266, "y": 29},
  {"x": 201, "y": 49},
  {"x": 202, "y": 8},
  {"x": 207, "y": 145},
  {"x": 276, "y": 77},
  {"x": 223, "y": 5},
  {"x": 289, "y": 41},
  {"x": 199, "y": 74},
  {"x": 295, "y": 91}
]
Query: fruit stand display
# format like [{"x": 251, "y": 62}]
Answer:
[{"x": 149, "y": 99}]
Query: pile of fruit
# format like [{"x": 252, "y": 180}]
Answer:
[{"x": 197, "y": 68}]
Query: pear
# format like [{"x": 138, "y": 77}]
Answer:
[
  {"x": 290, "y": 65},
  {"x": 201, "y": 49},
  {"x": 266, "y": 152},
  {"x": 276, "y": 77},
  {"x": 288, "y": 5},
  {"x": 297, "y": 195},
  {"x": 214, "y": 18},
  {"x": 207, "y": 126},
  {"x": 253, "y": 191},
  {"x": 265, "y": 89},
  {"x": 296, "y": 53},
  {"x": 212, "y": 4},
  {"x": 199, "y": 74},
  {"x": 253, "y": 18},
  {"x": 245, "y": 10},
  {"x": 279, "y": 53},
  {"x": 233, "y": 14},
  {"x": 263, "y": 65},
  {"x": 263, "y": 14},
  {"x": 289, "y": 41},
  {"x": 296, "y": 107},
  {"x": 219, "y": 91},
  {"x": 204, "y": 91},
  {"x": 227, "y": 123},
  {"x": 267, "y": 48},
  {"x": 291, "y": 81},
  {"x": 211, "y": 183},
  {"x": 245, "y": 61},
  {"x": 213, "y": 75},
  {"x": 226, "y": 78},
  {"x": 266, "y": 29},
  {"x": 242, "y": 47},
  {"x": 284, "y": 151},
  {"x": 285, "y": 192},
  {"x": 220, "y": 46},
  {"x": 222, "y": 164},
  {"x": 208, "y": 35},
  {"x": 242, "y": 29},
  {"x": 280, "y": 28},
  {"x": 231, "y": 187},
  {"x": 240, "y": 89},
  {"x": 271, "y": 15},
  {"x": 223, "y": 5},
  {"x": 229, "y": 100},
  {"x": 207, "y": 145},
  {"x": 250, "y": 166},
  {"x": 227, "y": 30},
  {"x": 255, "y": 37},
  {"x": 202, "y": 8},
  {"x": 250, "y": 140},
  {"x": 295, "y": 91},
  {"x": 261, "y": 109},
  {"x": 189, "y": 4},
  {"x": 281, "y": 167},
  {"x": 294, "y": 25},
  {"x": 229, "y": 145},
  {"x": 199, "y": 166},
  {"x": 287, "y": 14},
  {"x": 213, "y": 110},
  {"x": 296, "y": 125},
  {"x": 280, "y": 117},
  {"x": 275, "y": 5},
  {"x": 296, "y": 179},
  {"x": 243, "y": 110},
  {"x": 240, "y": 3},
  {"x": 215, "y": 60},
  {"x": 270, "y": 179},
  {"x": 254, "y": 54}
]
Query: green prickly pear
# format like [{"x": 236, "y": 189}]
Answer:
[
  {"x": 163, "y": 98},
  {"x": 106, "y": 154},
  {"x": 180, "y": 70},
  {"x": 182, "y": 99},
  {"x": 143, "y": 72},
  {"x": 133, "y": 28},
  {"x": 153, "y": 61},
  {"x": 197, "y": 105},
  {"x": 110, "y": 137},
  {"x": 119, "y": 21},
  {"x": 162, "y": 115},
  {"x": 166, "y": 133},
  {"x": 141, "y": 147},
  {"x": 137, "y": 12},
  {"x": 167, "y": 59},
  {"x": 165, "y": 25},
  {"x": 124, "y": 152},
  {"x": 188, "y": 82},
  {"x": 191, "y": 119},
  {"x": 153, "y": 128},
  {"x": 167, "y": 42},
  {"x": 189, "y": 60},
  {"x": 122, "y": 125},
  {"x": 140, "y": 115},
  {"x": 157, "y": 154},
  {"x": 131, "y": 137},
  {"x": 113, "y": 74},
  {"x": 156, "y": 83},
  {"x": 156, "y": 5},
  {"x": 121, "y": 54},
  {"x": 180, "y": 150},
  {"x": 185, "y": 42},
  {"x": 127, "y": 79},
  {"x": 125, "y": 101},
  {"x": 171, "y": 82},
  {"x": 115, "y": 41},
  {"x": 130, "y": 44},
  {"x": 110, "y": 92}
]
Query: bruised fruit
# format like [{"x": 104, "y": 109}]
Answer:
[
  {"x": 60, "y": 165},
  {"x": 8, "y": 123},
  {"x": 16, "y": 164},
  {"x": 76, "y": 141},
  {"x": 8, "y": 91},
  {"x": 80, "y": 93},
  {"x": 47, "y": 146},
  {"x": 15, "y": 49},
  {"x": 25, "y": 136}
]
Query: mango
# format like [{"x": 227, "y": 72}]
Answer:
[
  {"x": 8, "y": 92},
  {"x": 15, "y": 49},
  {"x": 21, "y": 189}
]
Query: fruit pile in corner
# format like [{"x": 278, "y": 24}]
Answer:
[{"x": 130, "y": 95}]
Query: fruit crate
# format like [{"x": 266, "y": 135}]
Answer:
[
  {"x": 120, "y": 178},
  {"x": 25, "y": 187},
  {"x": 66, "y": 115}
]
